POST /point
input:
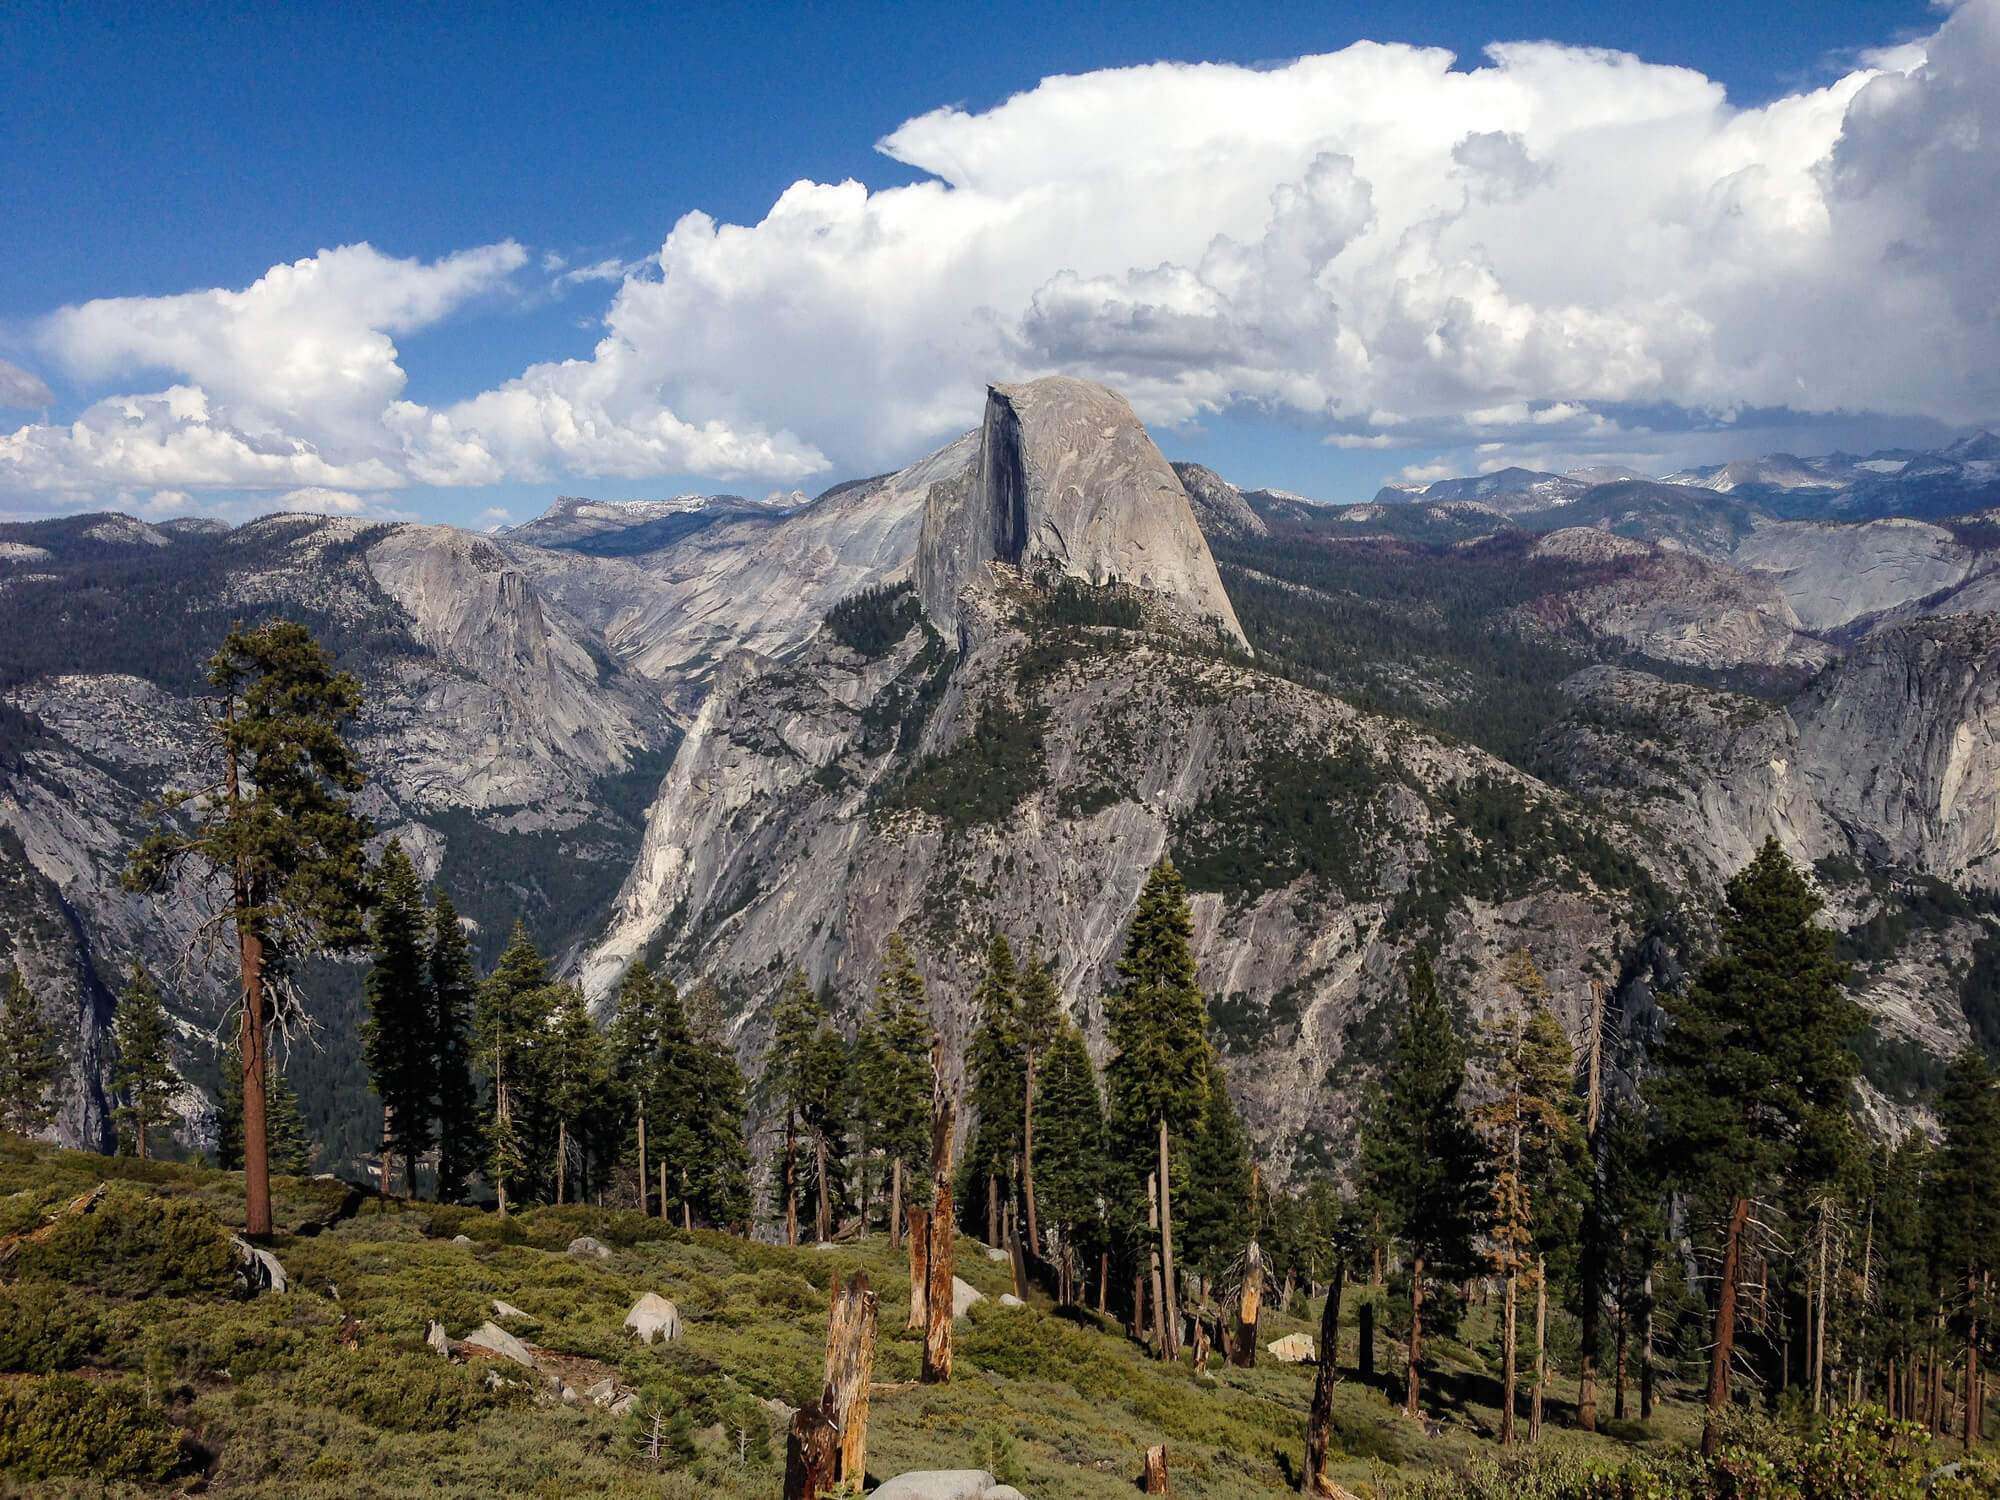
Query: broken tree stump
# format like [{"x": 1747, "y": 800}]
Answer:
[
  {"x": 1244, "y": 1354},
  {"x": 937, "y": 1288},
  {"x": 812, "y": 1454},
  {"x": 1319, "y": 1421},
  {"x": 850, "y": 1360},
  {"x": 1155, "y": 1481}
]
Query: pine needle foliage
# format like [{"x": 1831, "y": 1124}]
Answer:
[{"x": 144, "y": 1074}]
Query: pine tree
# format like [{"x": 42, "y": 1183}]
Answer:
[
  {"x": 453, "y": 990},
  {"x": 1157, "y": 1076},
  {"x": 1215, "y": 1194},
  {"x": 397, "y": 1040},
  {"x": 514, "y": 1005},
  {"x": 1905, "y": 1268},
  {"x": 1070, "y": 1132},
  {"x": 717, "y": 1175},
  {"x": 144, "y": 1072},
  {"x": 277, "y": 827},
  {"x": 893, "y": 1074},
  {"x": 1418, "y": 1157},
  {"x": 1967, "y": 1206},
  {"x": 1629, "y": 1218},
  {"x": 289, "y": 1148},
  {"x": 1040, "y": 1013},
  {"x": 789, "y": 1067},
  {"x": 1755, "y": 1070},
  {"x": 999, "y": 1082},
  {"x": 30, "y": 1059},
  {"x": 578, "y": 1086}
]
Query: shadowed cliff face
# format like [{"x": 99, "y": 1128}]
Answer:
[{"x": 1068, "y": 481}]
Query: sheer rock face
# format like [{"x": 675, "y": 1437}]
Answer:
[
  {"x": 1902, "y": 744},
  {"x": 1067, "y": 479}
]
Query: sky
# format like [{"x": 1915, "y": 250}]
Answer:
[{"x": 448, "y": 261}]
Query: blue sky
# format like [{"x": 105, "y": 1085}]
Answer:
[{"x": 183, "y": 153}]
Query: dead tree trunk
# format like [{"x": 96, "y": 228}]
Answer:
[
  {"x": 896, "y": 1203},
  {"x": 1541, "y": 1348},
  {"x": 1153, "y": 1263},
  {"x": 823, "y": 1208},
  {"x": 1104, "y": 1283},
  {"x": 1725, "y": 1328},
  {"x": 993, "y": 1211},
  {"x": 937, "y": 1292},
  {"x": 1155, "y": 1482},
  {"x": 1244, "y": 1353},
  {"x": 850, "y": 1360},
  {"x": 1319, "y": 1421},
  {"x": 920, "y": 1266},
  {"x": 812, "y": 1454},
  {"x": 642, "y": 1164},
  {"x": 1170, "y": 1320},
  {"x": 1509, "y": 1303},
  {"x": 791, "y": 1178}
]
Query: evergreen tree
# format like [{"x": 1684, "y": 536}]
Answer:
[
  {"x": 276, "y": 826},
  {"x": 716, "y": 1176},
  {"x": 1215, "y": 1192},
  {"x": 1418, "y": 1157},
  {"x": 514, "y": 1005},
  {"x": 1966, "y": 1212},
  {"x": 397, "y": 1040},
  {"x": 791, "y": 1067},
  {"x": 144, "y": 1073},
  {"x": 286, "y": 1146},
  {"x": 1902, "y": 1260},
  {"x": 1157, "y": 1076},
  {"x": 30, "y": 1059},
  {"x": 453, "y": 990},
  {"x": 998, "y": 1081},
  {"x": 1755, "y": 1070},
  {"x": 1629, "y": 1218},
  {"x": 1040, "y": 1012},
  {"x": 893, "y": 1073},
  {"x": 1070, "y": 1136},
  {"x": 578, "y": 1087}
]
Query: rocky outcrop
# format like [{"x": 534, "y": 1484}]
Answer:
[
  {"x": 1219, "y": 507},
  {"x": 1066, "y": 478},
  {"x": 1836, "y": 573}
]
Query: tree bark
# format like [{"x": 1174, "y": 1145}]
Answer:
[
  {"x": 1153, "y": 1264},
  {"x": 1646, "y": 1354},
  {"x": 1541, "y": 1348},
  {"x": 1170, "y": 1321},
  {"x": 812, "y": 1454},
  {"x": 1104, "y": 1283},
  {"x": 920, "y": 1265},
  {"x": 1244, "y": 1352},
  {"x": 1725, "y": 1328},
  {"x": 645, "y": 1203},
  {"x": 256, "y": 1142},
  {"x": 1155, "y": 1482},
  {"x": 944, "y": 1119},
  {"x": 1508, "y": 1355},
  {"x": 663, "y": 1187},
  {"x": 850, "y": 1360},
  {"x": 791, "y": 1177},
  {"x": 1028, "y": 1162},
  {"x": 993, "y": 1237},
  {"x": 896, "y": 1203},
  {"x": 562, "y": 1157},
  {"x": 1618, "y": 1367},
  {"x": 823, "y": 1207},
  {"x": 1416, "y": 1354},
  {"x": 1319, "y": 1420}
]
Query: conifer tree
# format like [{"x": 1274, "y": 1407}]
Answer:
[
  {"x": 999, "y": 1082},
  {"x": 1216, "y": 1196},
  {"x": 397, "y": 1041},
  {"x": 144, "y": 1073},
  {"x": 1071, "y": 1133},
  {"x": 578, "y": 1081},
  {"x": 791, "y": 1066},
  {"x": 716, "y": 1175},
  {"x": 30, "y": 1058},
  {"x": 1040, "y": 1013},
  {"x": 277, "y": 829},
  {"x": 290, "y": 1149},
  {"x": 1967, "y": 1208},
  {"x": 1755, "y": 1070},
  {"x": 453, "y": 990},
  {"x": 1629, "y": 1218},
  {"x": 1418, "y": 1157},
  {"x": 893, "y": 1074},
  {"x": 1904, "y": 1268},
  {"x": 1157, "y": 1076},
  {"x": 514, "y": 1005}
]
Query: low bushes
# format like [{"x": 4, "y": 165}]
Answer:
[
  {"x": 46, "y": 1328},
  {"x": 67, "y": 1425},
  {"x": 132, "y": 1245},
  {"x": 396, "y": 1390}
]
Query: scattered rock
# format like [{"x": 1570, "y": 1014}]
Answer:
[
  {"x": 998, "y": 1256},
  {"x": 584, "y": 1245},
  {"x": 1003, "y": 1492},
  {"x": 506, "y": 1310},
  {"x": 1292, "y": 1349},
  {"x": 435, "y": 1337},
  {"x": 497, "y": 1340},
  {"x": 256, "y": 1270},
  {"x": 624, "y": 1403},
  {"x": 462, "y": 1239},
  {"x": 937, "y": 1484},
  {"x": 778, "y": 1409},
  {"x": 1008, "y": 1299},
  {"x": 602, "y": 1394},
  {"x": 826, "y": 1245},
  {"x": 654, "y": 1315},
  {"x": 963, "y": 1295}
]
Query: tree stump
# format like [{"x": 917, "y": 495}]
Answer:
[
  {"x": 1244, "y": 1354},
  {"x": 1155, "y": 1482},
  {"x": 812, "y": 1454},
  {"x": 850, "y": 1360},
  {"x": 1320, "y": 1420},
  {"x": 937, "y": 1291},
  {"x": 920, "y": 1267}
]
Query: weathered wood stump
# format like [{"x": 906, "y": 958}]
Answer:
[
  {"x": 812, "y": 1454},
  {"x": 850, "y": 1361},
  {"x": 1244, "y": 1354},
  {"x": 1320, "y": 1420},
  {"x": 920, "y": 1268},
  {"x": 1155, "y": 1482},
  {"x": 937, "y": 1289}
]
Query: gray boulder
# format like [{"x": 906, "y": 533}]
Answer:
[
  {"x": 937, "y": 1484},
  {"x": 963, "y": 1295},
  {"x": 653, "y": 1316},
  {"x": 1008, "y": 1299},
  {"x": 584, "y": 1246},
  {"x": 506, "y": 1310},
  {"x": 462, "y": 1239},
  {"x": 497, "y": 1340},
  {"x": 256, "y": 1270}
]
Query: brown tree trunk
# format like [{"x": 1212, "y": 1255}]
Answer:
[
  {"x": 823, "y": 1207},
  {"x": 645, "y": 1205},
  {"x": 1028, "y": 1162},
  {"x": 1416, "y": 1353},
  {"x": 1153, "y": 1264},
  {"x": 812, "y": 1454},
  {"x": 1104, "y": 1283},
  {"x": 993, "y": 1238},
  {"x": 1541, "y": 1348},
  {"x": 1201, "y": 1345},
  {"x": 1170, "y": 1319},
  {"x": 920, "y": 1266},
  {"x": 850, "y": 1360},
  {"x": 944, "y": 1119},
  {"x": 791, "y": 1177},
  {"x": 1618, "y": 1367},
  {"x": 663, "y": 1187},
  {"x": 1646, "y": 1354},
  {"x": 1508, "y": 1354},
  {"x": 1244, "y": 1353},
  {"x": 1155, "y": 1482},
  {"x": 1725, "y": 1328},
  {"x": 256, "y": 1142},
  {"x": 896, "y": 1203},
  {"x": 1320, "y": 1420}
]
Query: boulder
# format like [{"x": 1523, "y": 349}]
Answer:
[
  {"x": 603, "y": 1393},
  {"x": 963, "y": 1295},
  {"x": 1008, "y": 1299},
  {"x": 462, "y": 1239},
  {"x": 1292, "y": 1349},
  {"x": 1003, "y": 1492},
  {"x": 779, "y": 1410},
  {"x": 624, "y": 1404},
  {"x": 497, "y": 1340},
  {"x": 654, "y": 1316},
  {"x": 936, "y": 1484},
  {"x": 256, "y": 1270},
  {"x": 996, "y": 1255},
  {"x": 506, "y": 1310},
  {"x": 584, "y": 1246}
]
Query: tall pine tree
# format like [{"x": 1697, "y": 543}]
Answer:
[
  {"x": 144, "y": 1073},
  {"x": 1216, "y": 1196},
  {"x": 29, "y": 1058},
  {"x": 453, "y": 990},
  {"x": 1040, "y": 1013},
  {"x": 999, "y": 1083},
  {"x": 1755, "y": 1070},
  {"x": 1073, "y": 1166},
  {"x": 514, "y": 1005},
  {"x": 578, "y": 1089},
  {"x": 397, "y": 1041},
  {"x": 893, "y": 1075},
  {"x": 1967, "y": 1208},
  {"x": 1418, "y": 1158}
]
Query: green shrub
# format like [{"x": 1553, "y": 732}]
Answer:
[
  {"x": 135, "y": 1246},
  {"x": 45, "y": 1328},
  {"x": 67, "y": 1425},
  {"x": 396, "y": 1390}
]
